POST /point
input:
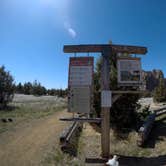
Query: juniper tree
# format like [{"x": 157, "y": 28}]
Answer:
[
  {"x": 159, "y": 94},
  {"x": 123, "y": 111},
  {"x": 6, "y": 87}
]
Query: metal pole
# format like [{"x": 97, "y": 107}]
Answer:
[{"x": 105, "y": 111}]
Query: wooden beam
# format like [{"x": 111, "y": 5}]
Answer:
[
  {"x": 116, "y": 97},
  {"x": 129, "y": 49},
  {"x": 145, "y": 129},
  {"x": 95, "y": 120},
  {"x": 101, "y": 47},
  {"x": 65, "y": 132},
  {"x": 127, "y": 92}
]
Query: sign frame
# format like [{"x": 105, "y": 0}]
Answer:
[
  {"x": 135, "y": 72},
  {"x": 81, "y": 70}
]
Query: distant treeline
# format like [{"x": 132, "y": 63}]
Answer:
[
  {"x": 37, "y": 89},
  {"x": 8, "y": 88}
]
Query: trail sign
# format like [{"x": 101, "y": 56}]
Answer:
[
  {"x": 129, "y": 71},
  {"x": 80, "y": 84},
  {"x": 107, "y": 51}
]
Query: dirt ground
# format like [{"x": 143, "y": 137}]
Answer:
[
  {"x": 153, "y": 154},
  {"x": 27, "y": 144},
  {"x": 127, "y": 150}
]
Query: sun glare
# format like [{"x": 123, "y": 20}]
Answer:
[{"x": 63, "y": 4}]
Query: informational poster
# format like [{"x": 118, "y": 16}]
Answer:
[
  {"x": 80, "y": 71},
  {"x": 106, "y": 98},
  {"x": 80, "y": 100},
  {"x": 80, "y": 76},
  {"x": 129, "y": 71},
  {"x": 80, "y": 84}
]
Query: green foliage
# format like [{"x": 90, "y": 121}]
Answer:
[
  {"x": 159, "y": 94},
  {"x": 37, "y": 89},
  {"x": 144, "y": 113},
  {"x": 34, "y": 88},
  {"x": 57, "y": 92},
  {"x": 123, "y": 112},
  {"x": 19, "y": 88},
  {"x": 28, "y": 88},
  {"x": 6, "y": 87}
]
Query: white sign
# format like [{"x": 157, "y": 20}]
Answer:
[
  {"x": 129, "y": 70},
  {"x": 80, "y": 75},
  {"x": 106, "y": 98}
]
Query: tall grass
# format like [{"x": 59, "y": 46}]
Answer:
[{"x": 28, "y": 107}]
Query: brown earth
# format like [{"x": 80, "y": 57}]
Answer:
[
  {"x": 27, "y": 144},
  {"x": 153, "y": 154}
]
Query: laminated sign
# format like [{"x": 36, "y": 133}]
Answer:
[
  {"x": 80, "y": 84},
  {"x": 106, "y": 98},
  {"x": 129, "y": 71},
  {"x": 79, "y": 99}
]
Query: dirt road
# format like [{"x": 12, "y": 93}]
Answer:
[{"x": 28, "y": 143}]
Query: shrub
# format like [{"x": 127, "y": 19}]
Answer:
[
  {"x": 6, "y": 87},
  {"x": 123, "y": 112},
  {"x": 159, "y": 94}
]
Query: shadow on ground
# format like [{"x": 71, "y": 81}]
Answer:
[
  {"x": 143, "y": 161},
  {"x": 9, "y": 108},
  {"x": 133, "y": 161}
]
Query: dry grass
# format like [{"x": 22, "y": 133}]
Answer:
[
  {"x": 126, "y": 146},
  {"x": 58, "y": 158},
  {"x": 28, "y": 107},
  {"x": 153, "y": 154}
]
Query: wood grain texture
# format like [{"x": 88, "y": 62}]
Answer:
[{"x": 101, "y": 47}]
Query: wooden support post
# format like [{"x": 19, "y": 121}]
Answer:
[{"x": 105, "y": 111}]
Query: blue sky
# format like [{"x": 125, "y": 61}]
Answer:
[{"x": 33, "y": 32}]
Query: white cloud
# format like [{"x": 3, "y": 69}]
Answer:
[
  {"x": 61, "y": 13},
  {"x": 72, "y": 32}
]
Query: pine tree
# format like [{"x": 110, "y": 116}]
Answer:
[
  {"x": 19, "y": 88},
  {"x": 28, "y": 88}
]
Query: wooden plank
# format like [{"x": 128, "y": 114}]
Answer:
[
  {"x": 95, "y": 120},
  {"x": 105, "y": 111},
  {"x": 129, "y": 49},
  {"x": 71, "y": 140},
  {"x": 160, "y": 111},
  {"x": 128, "y": 58},
  {"x": 72, "y": 132},
  {"x": 145, "y": 129},
  {"x": 127, "y": 91},
  {"x": 116, "y": 97},
  {"x": 65, "y": 132},
  {"x": 101, "y": 47}
]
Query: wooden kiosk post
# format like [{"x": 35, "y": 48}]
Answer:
[
  {"x": 106, "y": 50},
  {"x": 105, "y": 111}
]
